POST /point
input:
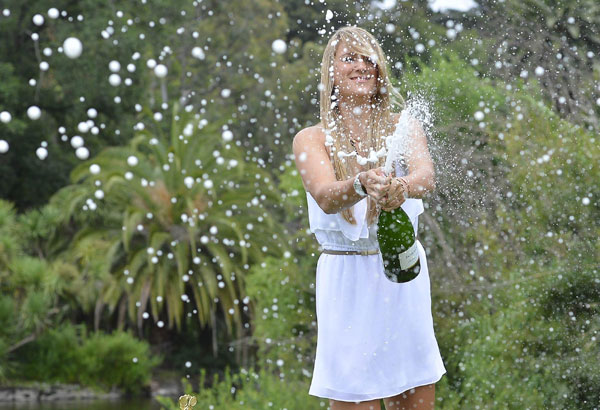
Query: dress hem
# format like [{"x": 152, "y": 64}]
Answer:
[{"x": 326, "y": 393}]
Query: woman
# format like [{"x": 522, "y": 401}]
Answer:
[{"x": 375, "y": 337}]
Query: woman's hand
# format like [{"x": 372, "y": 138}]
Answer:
[
  {"x": 395, "y": 196},
  {"x": 375, "y": 182}
]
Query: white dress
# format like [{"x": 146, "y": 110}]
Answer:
[{"x": 375, "y": 338}]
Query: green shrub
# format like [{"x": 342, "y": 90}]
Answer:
[
  {"x": 282, "y": 296},
  {"x": 531, "y": 344},
  {"x": 67, "y": 354},
  {"x": 53, "y": 357},
  {"x": 118, "y": 359},
  {"x": 516, "y": 320}
]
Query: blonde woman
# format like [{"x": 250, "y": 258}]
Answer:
[{"x": 375, "y": 337}]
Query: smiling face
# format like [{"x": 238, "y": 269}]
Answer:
[{"x": 354, "y": 74}]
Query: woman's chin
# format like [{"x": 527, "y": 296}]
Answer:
[{"x": 361, "y": 92}]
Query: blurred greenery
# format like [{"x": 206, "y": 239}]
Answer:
[
  {"x": 182, "y": 240},
  {"x": 248, "y": 390}
]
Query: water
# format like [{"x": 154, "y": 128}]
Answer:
[{"x": 118, "y": 404}]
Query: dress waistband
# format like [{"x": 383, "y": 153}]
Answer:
[{"x": 362, "y": 252}]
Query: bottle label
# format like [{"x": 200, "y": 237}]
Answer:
[{"x": 409, "y": 257}]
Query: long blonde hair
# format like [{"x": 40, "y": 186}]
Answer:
[{"x": 363, "y": 43}]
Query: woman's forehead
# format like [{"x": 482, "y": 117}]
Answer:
[{"x": 344, "y": 47}]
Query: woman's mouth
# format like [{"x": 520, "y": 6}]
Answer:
[{"x": 362, "y": 78}]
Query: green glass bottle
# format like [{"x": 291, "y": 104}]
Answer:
[{"x": 398, "y": 246}]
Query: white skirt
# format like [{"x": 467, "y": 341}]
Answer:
[{"x": 375, "y": 338}]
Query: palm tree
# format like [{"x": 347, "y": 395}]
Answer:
[{"x": 182, "y": 217}]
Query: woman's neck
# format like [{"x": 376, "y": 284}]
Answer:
[{"x": 356, "y": 115}]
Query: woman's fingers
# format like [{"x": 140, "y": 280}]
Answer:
[
  {"x": 377, "y": 179},
  {"x": 376, "y": 185},
  {"x": 378, "y": 176},
  {"x": 379, "y": 192},
  {"x": 391, "y": 205},
  {"x": 379, "y": 171},
  {"x": 391, "y": 202},
  {"x": 392, "y": 192}
]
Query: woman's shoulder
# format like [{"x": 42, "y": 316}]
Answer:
[
  {"x": 312, "y": 134},
  {"x": 395, "y": 116},
  {"x": 313, "y": 137},
  {"x": 394, "y": 119},
  {"x": 408, "y": 120}
]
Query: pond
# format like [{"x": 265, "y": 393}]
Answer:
[{"x": 115, "y": 404}]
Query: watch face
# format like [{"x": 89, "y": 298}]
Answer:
[{"x": 358, "y": 187}]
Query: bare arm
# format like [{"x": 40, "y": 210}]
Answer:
[
  {"x": 421, "y": 175},
  {"x": 318, "y": 176}
]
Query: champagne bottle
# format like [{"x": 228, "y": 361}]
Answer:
[{"x": 398, "y": 246}]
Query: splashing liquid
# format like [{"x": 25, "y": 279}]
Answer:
[{"x": 396, "y": 235}]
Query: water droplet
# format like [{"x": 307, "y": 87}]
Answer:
[
  {"x": 53, "y": 13},
  {"x": 114, "y": 80},
  {"x": 132, "y": 161},
  {"x": 279, "y": 46},
  {"x": 41, "y": 153},
  {"x": 114, "y": 66},
  {"x": 227, "y": 135},
  {"x": 198, "y": 53},
  {"x": 38, "y": 19},
  {"x": 77, "y": 141},
  {"x": 161, "y": 71},
  {"x": 82, "y": 153},
  {"x": 539, "y": 71},
  {"x": 5, "y": 117},
  {"x": 72, "y": 47},
  {"x": 34, "y": 112}
]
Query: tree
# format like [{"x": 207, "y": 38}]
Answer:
[
  {"x": 554, "y": 41},
  {"x": 185, "y": 215}
]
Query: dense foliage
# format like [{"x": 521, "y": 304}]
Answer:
[{"x": 184, "y": 235}]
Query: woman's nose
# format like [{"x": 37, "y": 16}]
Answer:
[{"x": 361, "y": 63}]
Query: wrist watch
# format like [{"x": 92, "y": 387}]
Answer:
[{"x": 358, "y": 186}]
